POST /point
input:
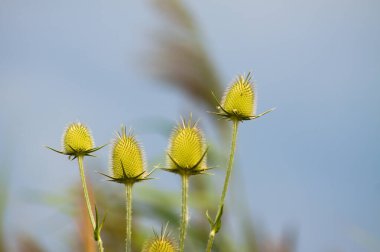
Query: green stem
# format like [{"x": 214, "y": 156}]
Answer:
[
  {"x": 100, "y": 245},
  {"x": 185, "y": 219},
  {"x": 128, "y": 240},
  {"x": 226, "y": 182},
  {"x": 230, "y": 164},
  {"x": 85, "y": 191},
  {"x": 210, "y": 242},
  {"x": 87, "y": 199}
]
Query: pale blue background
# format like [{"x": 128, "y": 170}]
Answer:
[{"x": 313, "y": 164}]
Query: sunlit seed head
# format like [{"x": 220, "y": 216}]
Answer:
[
  {"x": 127, "y": 154},
  {"x": 77, "y": 139},
  {"x": 240, "y": 98},
  {"x": 186, "y": 147},
  {"x": 160, "y": 245}
]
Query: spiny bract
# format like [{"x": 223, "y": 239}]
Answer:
[
  {"x": 239, "y": 99},
  {"x": 187, "y": 147},
  {"x": 127, "y": 155},
  {"x": 77, "y": 139}
]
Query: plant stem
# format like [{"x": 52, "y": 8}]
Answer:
[
  {"x": 226, "y": 182},
  {"x": 128, "y": 240},
  {"x": 184, "y": 221},
  {"x": 210, "y": 242},
  {"x": 230, "y": 164},
  {"x": 100, "y": 245},
  {"x": 85, "y": 191},
  {"x": 87, "y": 199}
]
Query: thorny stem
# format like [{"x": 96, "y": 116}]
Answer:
[
  {"x": 128, "y": 239},
  {"x": 184, "y": 216},
  {"x": 226, "y": 181},
  {"x": 87, "y": 199}
]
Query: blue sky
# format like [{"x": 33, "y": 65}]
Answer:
[{"x": 312, "y": 164}]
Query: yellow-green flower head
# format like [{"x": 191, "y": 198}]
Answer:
[
  {"x": 77, "y": 139},
  {"x": 239, "y": 100},
  {"x": 161, "y": 243},
  {"x": 127, "y": 157},
  {"x": 187, "y": 148}
]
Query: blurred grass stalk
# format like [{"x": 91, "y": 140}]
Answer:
[{"x": 3, "y": 200}]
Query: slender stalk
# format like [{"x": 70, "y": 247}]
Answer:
[
  {"x": 226, "y": 182},
  {"x": 85, "y": 191},
  {"x": 230, "y": 164},
  {"x": 100, "y": 245},
  {"x": 184, "y": 216},
  {"x": 210, "y": 242},
  {"x": 128, "y": 239},
  {"x": 87, "y": 199}
]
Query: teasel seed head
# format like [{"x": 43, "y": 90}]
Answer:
[
  {"x": 127, "y": 159},
  {"x": 240, "y": 97},
  {"x": 161, "y": 243},
  {"x": 187, "y": 149},
  {"x": 239, "y": 101},
  {"x": 77, "y": 138},
  {"x": 77, "y": 141}
]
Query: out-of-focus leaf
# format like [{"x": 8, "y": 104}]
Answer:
[{"x": 181, "y": 59}]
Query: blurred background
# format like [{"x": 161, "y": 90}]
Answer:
[{"x": 307, "y": 176}]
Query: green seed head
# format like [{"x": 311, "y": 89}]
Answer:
[
  {"x": 128, "y": 155},
  {"x": 187, "y": 147},
  {"x": 240, "y": 99},
  {"x": 77, "y": 139}
]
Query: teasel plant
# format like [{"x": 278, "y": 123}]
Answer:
[
  {"x": 162, "y": 242},
  {"x": 238, "y": 104},
  {"x": 127, "y": 163},
  {"x": 186, "y": 156},
  {"x": 78, "y": 143}
]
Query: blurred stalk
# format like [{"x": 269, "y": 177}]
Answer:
[
  {"x": 181, "y": 59},
  {"x": 3, "y": 200}
]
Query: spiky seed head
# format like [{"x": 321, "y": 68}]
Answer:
[
  {"x": 158, "y": 245},
  {"x": 77, "y": 139},
  {"x": 239, "y": 99},
  {"x": 187, "y": 147},
  {"x": 128, "y": 155},
  {"x": 161, "y": 242}
]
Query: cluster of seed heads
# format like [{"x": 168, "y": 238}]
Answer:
[{"x": 186, "y": 152}]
